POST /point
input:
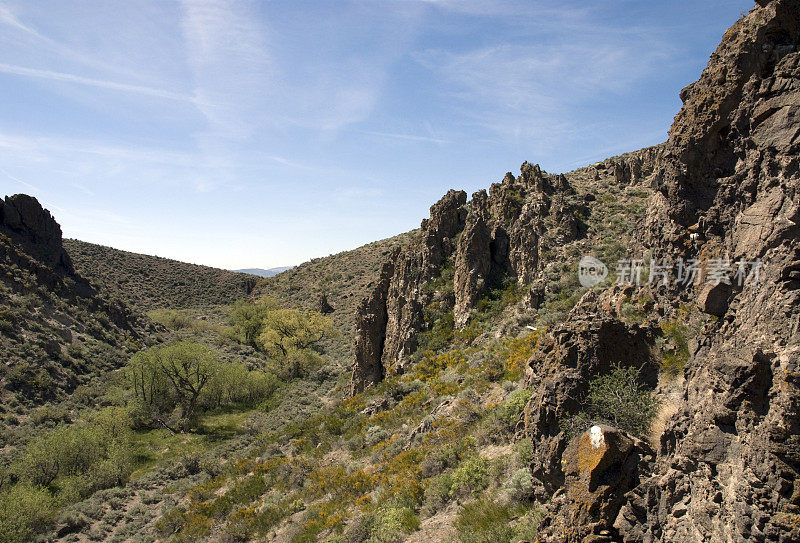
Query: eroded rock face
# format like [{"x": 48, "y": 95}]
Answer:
[
  {"x": 600, "y": 466},
  {"x": 495, "y": 235},
  {"x": 472, "y": 266},
  {"x": 413, "y": 267},
  {"x": 371, "y": 325},
  {"x": 729, "y": 464},
  {"x": 23, "y": 219},
  {"x": 587, "y": 345}
]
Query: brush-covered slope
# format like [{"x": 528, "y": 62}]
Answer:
[
  {"x": 494, "y": 397},
  {"x": 150, "y": 282},
  {"x": 56, "y": 331},
  {"x": 333, "y": 285}
]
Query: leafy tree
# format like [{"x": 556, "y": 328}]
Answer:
[
  {"x": 234, "y": 383},
  {"x": 276, "y": 331},
  {"x": 150, "y": 385},
  {"x": 24, "y": 510},
  {"x": 297, "y": 363},
  {"x": 170, "y": 376},
  {"x": 247, "y": 319},
  {"x": 286, "y": 330}
]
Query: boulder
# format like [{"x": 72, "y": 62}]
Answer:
[
  {"x": 600, "y": 466},
  {"x": 713, "y": 299}
]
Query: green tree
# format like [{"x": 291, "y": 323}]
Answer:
[
  {"x": 286, "y": 330},
  {"x": 171, "y": 376},
  {"x": 25, "y": 509},
  {"x": 247, "y": 319},
  {"x": 234, "y": 383}
]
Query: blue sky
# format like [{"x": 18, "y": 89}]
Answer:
[{"x": 261, "y": 134}]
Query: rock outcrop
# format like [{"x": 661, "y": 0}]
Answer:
[
  {"x": 600, "y": 466},
  {"x": 589, "y": 344},
  {"x": 371, "y": 323},
  {"x": 729, "y": 464},
  {"x": 30, "y": 226},
  {"x": 62, "y": 313},
  {"x": 473, "y": 264},
  {"x": 728, "y": 187},
  {"x": 496, "y": 235},
  {"x": 413, "y": 267}
]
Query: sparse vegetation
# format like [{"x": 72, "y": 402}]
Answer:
[
  {"x": 617, "y": 398},
  {"x": 237, "y": 425},
  {"x": 151, "y": 283}
]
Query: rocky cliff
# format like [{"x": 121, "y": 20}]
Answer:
[
  {"x": 726, "y": 467},
  {"x": 495, "y": 236},
  {"x": 729, "y": 460},
  {"x": 721, "y": 194},
  {"x": 24, "y": 221}
]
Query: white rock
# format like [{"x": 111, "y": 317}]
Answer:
[{"x": 596, "y": 436}]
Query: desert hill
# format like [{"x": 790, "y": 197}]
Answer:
[
  {"x": 58, "y": 332},
  {"x": 150, "y": 282}
]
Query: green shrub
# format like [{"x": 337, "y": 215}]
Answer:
[
  {"x": 95, "y": 452},
  {"x": 471, "y": 476},
  {"x": 179, "y": 319},
  {"x": 437, "y": 492},
  {"x": 443, "y": 458},
  {"x": 526, "y": 528},
  {"x": 393, "y": 521},
  {"x": 675, "y": 357},
  {"x": 514, "y": 406},
  {"x": 524, "y": 449},
  {"x": 295, "y": 364},
  {"x": 25, "y": 510},
  {"x": 484, "y": 521},
  {"x": 520, "y": 485},
  {"x": 234, "y": 383},
  {"x": 620, "y": 399},
  {"x": 440, "y": 333}
]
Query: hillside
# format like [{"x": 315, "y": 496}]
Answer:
[
  {"x": 56, "y": 332},
  {"x": 609, "y": 354},
  {"x": 150, "y": 282},
  {"x": 341, "y": 278}
]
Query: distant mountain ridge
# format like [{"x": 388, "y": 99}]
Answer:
[{"x": 261, "y": 272}]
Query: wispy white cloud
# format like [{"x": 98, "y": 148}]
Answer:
[
  {"x": 20, "y": 181},
  {"x": 7, "y": 17},
  {"x": 104, "y": 56},
  {"x": 524, "y": 89},
  {"x": 230, "y": 62},
  {"x": 39, "y": 148},
  {"x": 111, "y": 85},
  {"x": 408, "y": 137},
  {"x": 84, "y": 162},
  {"x": 544, "y": 12}
]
